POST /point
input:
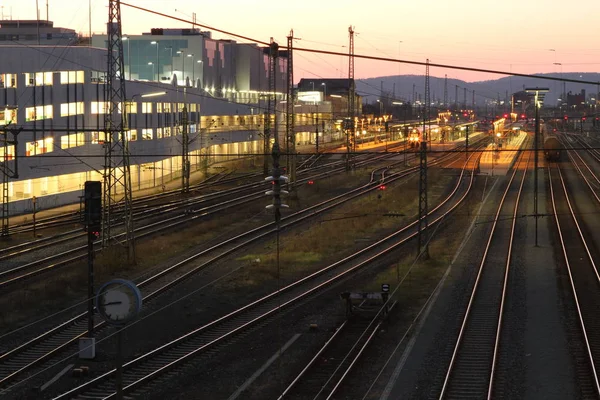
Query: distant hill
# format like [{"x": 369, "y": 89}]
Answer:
[{"x": 491, "y": 89}]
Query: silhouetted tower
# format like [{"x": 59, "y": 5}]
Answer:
[
  {"x": 473, "y": 101},
  {"x": 464, "y": 99},
  {"x": 351, "y": 140},
  {"x": 421, "y": 241},
  {"x": 445, "y": 90},
  {"x": 456, "y": 96},
  {"x": 290, "y": 142},
  {"x": 117, "y": 174}
]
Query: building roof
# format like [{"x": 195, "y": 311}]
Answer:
[{"x": 331, "y": 86}]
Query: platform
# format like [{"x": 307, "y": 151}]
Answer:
[{"x": 499, "y": 161}]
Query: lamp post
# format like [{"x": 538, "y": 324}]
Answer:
[
  {"x": 182, "y": 65},
  {"x": 193, "y": 66},
  {"x": 539, "y": 97},
  {"x": 313, "y": 86},
  {"x": 564, "y": 95},
  {"x": 151, "y": 63},
  {"x": 156, "y": 42},
  {"x": 126, "y": 38},
  {"x": 324, "y": 90},
  {"x": 380, "y": 114},
  {"x": 202, "y": 78},
  {"x": 170, "y": 48}
]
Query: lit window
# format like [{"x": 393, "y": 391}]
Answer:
[
  {"x": 10, "y": 153},
  {"x": 39, "y": 147},
  {"x": 159, "y": 133},
  {"x": 132, "y": 135},
  {"x": 167, "y": 107},
  {"x": 193, "y": 107},
  {"x": 159, "y": 107},
  {"x": 181, "y": 105},
  {"x": 8, "y": 80},
  {"x": 38, "y": 79},
  {"x": 99, "y": 107},
  {"x": 73, "y": 140},
  {"x": 71, "y": 77},
  {"x": 38, "y": 113},
  {"x": 8, "y": 116},
  {"x": 98, "y": 137},
  {"x": 131, "y": 107},
  {"x": 147, "y": 134},
  {"x": 146, "y": 108},
  {"x": 67, "y": 109},
  {"x": 167, "y": 131}
]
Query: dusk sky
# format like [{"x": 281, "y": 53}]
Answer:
[{"x": 510, "y": 35}]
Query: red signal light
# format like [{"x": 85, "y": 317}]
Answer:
[
  {"x": 566, "y": 118},
  {"x": 522, "y": 115},
  {"x": 381, "y": 187},
  {"x": 505, "y": 115},
  {"x": 311, "y": 182},
  {"x": 583, "y": 119}
]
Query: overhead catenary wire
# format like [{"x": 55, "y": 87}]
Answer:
[{"x": 364, "y": 56}]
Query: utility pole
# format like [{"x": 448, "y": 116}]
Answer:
[
  {"x": 289, "y": 121},
  {"x": 276, "y": 176},
  {"x": 8, "y": 172},
  {"x": 317, "y": 131},
  {"x": 423, "y": 209},
  {"x": 273, "y": 52},
  {"x": 351, "y": 138},
  {"x": 117, "y": 174},
  {"x": 93, "y": 224},
  {"x": 539, "y": 97},
  {"x": 185, "y": 144},
  {"x": 467, "y": 142}
]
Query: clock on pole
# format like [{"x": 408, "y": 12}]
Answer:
[{"x": 118, "y": 301}]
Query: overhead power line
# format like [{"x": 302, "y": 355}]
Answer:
[{"x": 363, "y": 56}]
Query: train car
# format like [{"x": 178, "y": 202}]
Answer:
[
  {"x": 552, "y": 148},
  {"x": 414, "y": 138}
]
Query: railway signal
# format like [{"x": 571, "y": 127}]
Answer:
[{"x": 93, "y": 226}]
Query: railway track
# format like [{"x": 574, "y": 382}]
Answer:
[
  {"x": 326, "y": 372},
  {"x": 471, "y": 370},
  {"x": 193, "y": 209},
  {"x": 584, "y": 282},
  {"x": 143, "y": 373},
  {"x": 185, "y": 211},
  {"x": 36, "y": 351}
]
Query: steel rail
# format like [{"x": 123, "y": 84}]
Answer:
[
  {"x": 572, "y": 275},
  {"x": 251, "y": 320},
  {"x": 468, "y": 318},
  {"x": 306, "y": 213}
]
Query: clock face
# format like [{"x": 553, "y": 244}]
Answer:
[{"x": 118, "y": 301}]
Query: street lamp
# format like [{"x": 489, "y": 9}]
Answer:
[
  {"x": 324, "y": 90},
  {"x": 151, "y": 63},
  {"x": 170, "y": 48},
  {"x": 156, "y": 42},
  {"x": 193, "y": 66},
  {"x": 202, "y": 70},
  {"x": 126, "y": 38},
  {"x": 564, "y": 83},
  {"x": 182, "y": 65},
  {"x": 539, "y": 98}
]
